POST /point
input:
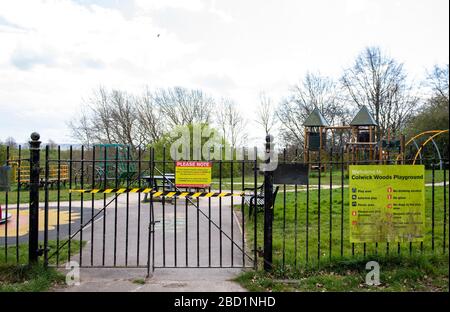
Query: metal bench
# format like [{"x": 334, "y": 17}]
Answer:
[
  {"x": 164, "y": 182},
  {"x": 256, "y": 202}
]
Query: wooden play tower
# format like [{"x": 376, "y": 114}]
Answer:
[
  {"x": 315, "y": 136},
  {"x": 363, "y": 144}
]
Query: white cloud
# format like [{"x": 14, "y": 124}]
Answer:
[
  {"x": 148, "y": 5},
  {"x": 54, "y": 52},
  {"x": 64, "y": 50}
]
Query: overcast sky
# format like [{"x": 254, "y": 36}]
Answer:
[{"x": 54, "y": 53}]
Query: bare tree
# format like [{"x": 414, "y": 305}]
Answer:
[
  {"x": 231, "y": 122},
  {"x": 438, "y": 81},
  {"x": 182, "y": 106},
  {"x": 379, "y": 82},
  {"x": 81, "y": 128},
  {"x": 11, "y": 142},
  {"x": 400, "y": 106},
  {"x": 265, "y": 114},
  {"x": 124, "y": 115},
  {"x": 314, "y": 91},
  {"x": 109, "y": 117},
  {"x": 119, "y": 117},
  {"x": 150, "y": 118},
  {"x": 94, "y": 124}
]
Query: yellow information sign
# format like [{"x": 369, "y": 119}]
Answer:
[
  {"x": 193, "y": 174},
  {"x": 387, "y": 203}
]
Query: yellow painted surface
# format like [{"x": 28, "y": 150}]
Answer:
[{"x": 24, "y": 218}]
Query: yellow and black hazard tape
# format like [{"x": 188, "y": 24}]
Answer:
[{"x": 156, "y": 193}]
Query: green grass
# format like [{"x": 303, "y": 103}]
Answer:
[
  {"x": 288, "y": 233},
  {"x": 422, "y": 273},
  {"x": 18, "y": 276},
  {"x": 139, "y": 281},
  {"x": 28, "y": 279},
  {"x": 299, "y": 247},
  {"x": 314, "y": 179}
]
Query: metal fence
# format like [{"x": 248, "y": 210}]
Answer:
[
  {"x": 311, "y": 222},
  {"x": 103, "y": 210},
  {"x": 13, "y": 232}
]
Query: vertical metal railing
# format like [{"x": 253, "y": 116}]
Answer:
[
  {"x": 445, "y": 206},
  {"x": 231, "y": 210},
  {"x": 151, "y": 241},
  {"x": 19, "y": 185},
  {"x": 220, "y": 207},
  {"x": 46, "y": 187},
  {"x": 127, "y": 208},
  {"x": 105, "y": 185},
  {"x": 298, "y": 214},
  {"x": 138, "y": 232},
  {"x": 80, "y": 241},
  {"x": 295, "y": 218},
  {"x": 69, "y": 241},
  {"x": 243, "y": 228},
  {"x": 5, "y": 212},
  {"x": 255, "y": 215},
  {"x": 58, "y": 200},
  {"x": 164, "y": 208},
  {"x": 92, "y": 205},
  {"x": 284, "y": 216},
  {"x": 116, "y": 185}
]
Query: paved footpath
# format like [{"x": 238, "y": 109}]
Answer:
[
  {"x": 134, "y": 252},
  {"x": 171, "y": 280}
]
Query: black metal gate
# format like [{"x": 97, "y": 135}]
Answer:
[{"x": 121, "y": 208}]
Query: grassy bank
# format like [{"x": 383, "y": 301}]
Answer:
[
  {"x": 428, "y": 273},
  {"x": 296, "y": 230},
  {"x": 17, "y": 276},
  {"x": 316, "y": 246}
]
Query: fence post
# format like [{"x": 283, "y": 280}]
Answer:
[
  {"x": 268, "y": 211},
  {"x": 33, "y": 239}
]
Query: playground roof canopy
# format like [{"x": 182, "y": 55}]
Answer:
[
  {"x": 315, "y": 119},
  {"x": 363, "y": 118}
]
